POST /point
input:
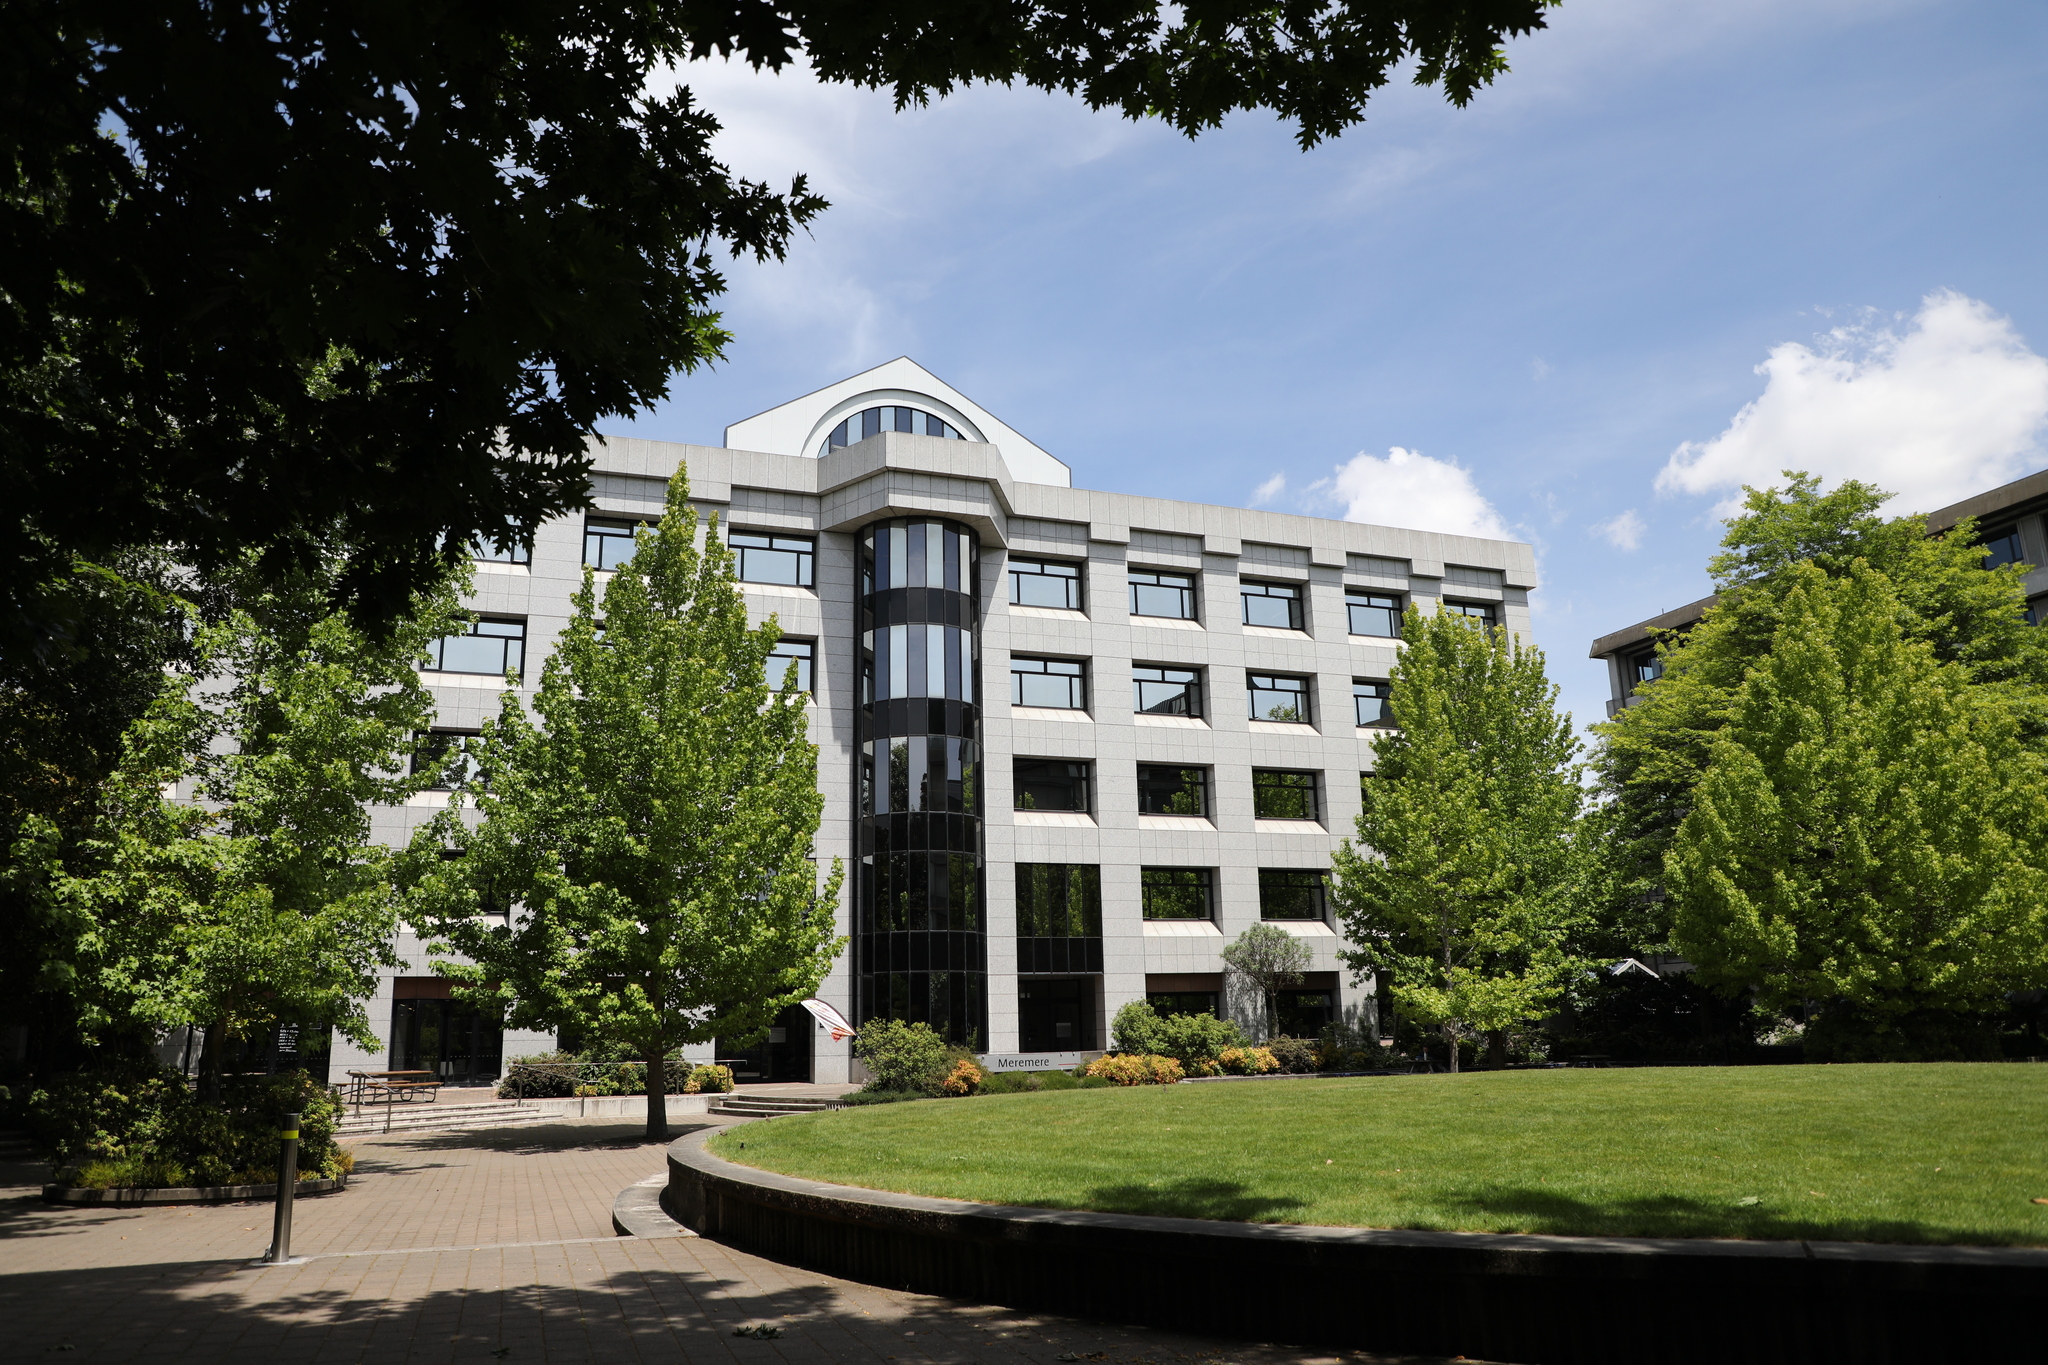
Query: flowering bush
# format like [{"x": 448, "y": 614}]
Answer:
[
  {"x": 1247, "y": 1061},
  {"x": 706, "y": 1076},
  {"x": 964, "y": 1079},
  {"x": 1127, "y": 1069}
]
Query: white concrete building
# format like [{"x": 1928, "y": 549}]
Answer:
[{"x": 1072, "y": 742}]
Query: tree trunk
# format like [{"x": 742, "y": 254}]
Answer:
[
  {"x": 1497, "y": 1049},
  {"x": 210, "y": 1064},
  {"x": 657, "y": 1094},
  {"x": 1451, "y": 1039}
]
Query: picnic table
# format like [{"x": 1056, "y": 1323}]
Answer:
[{"x": 391, "y": 1087}]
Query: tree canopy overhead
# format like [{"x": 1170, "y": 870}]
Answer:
[{"x": 270, "y": 269}]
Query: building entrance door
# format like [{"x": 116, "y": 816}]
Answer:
[
  {"x": 783, "y": 1055},
  {"x": 1056, "y": 1014},
  {"x": 456, "y": 1044}
]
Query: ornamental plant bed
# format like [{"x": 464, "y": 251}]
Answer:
[
  {"x": 200, "y": 1194},
  {"x": 1903, "y": 1153}
]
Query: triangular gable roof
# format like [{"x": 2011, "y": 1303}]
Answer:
[{"x": 801, "y": 425}]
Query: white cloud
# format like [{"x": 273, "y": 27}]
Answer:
[
  {"x": 1410, "y": 489},
  {"x": 1269, "y": 490},
  {"x": 1624, "y": 532},
  {"x": 1952, "y": 406}
]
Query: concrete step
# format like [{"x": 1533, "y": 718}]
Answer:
[
  {"x": 762, "y": 1106},
  {"x": 14, "y": 1146},
  {"x": 424, "y": 1118}
]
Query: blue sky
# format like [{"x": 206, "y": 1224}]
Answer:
[{"x": 1553, "y": 304}]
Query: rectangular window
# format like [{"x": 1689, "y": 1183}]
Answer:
[
  {"x": 1290, "y": 893},
  {"x": 1373, "y": 613},
  {"x": 763, "y": 558},
  {"x": 516, "y": 547},
  {"x": 1051, "y": 784},
  {"x": 1171, "y": 595},
  {"x": 1058, "y": 683},
  {"x": 1485, "y": 612},
  {"x": 802, "y": 653},
  {"x": 1642, "y": 667},
  {"x": 1045, "y": 583},
  {"x": 1059, "y": 900},
  {"x": 1176, "y": 892},
  {"x": 2004, "y": 544},
  {"x": 1278, "y": 696},
  {"x": 1164, "y": 1003},
  {"x": 1162, "y": 691},
  {"x": 1271, "y": 604},
  {"x": 608, "y": 541},
  {"x": 1278, "y": 795},
  {"x": 446, "y": 754},
  {"x": 1165, "y": 789},
  {"x": 2037, "y": 610},
  {"x": 1369, "y": 700},
  {"x": 493, "y": 645}
]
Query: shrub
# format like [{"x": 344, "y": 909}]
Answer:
[
  {"x": 1247, "y": 1061},
  {"x": 1193, "y": 1039},
  {"x": 708, "y": 1077},
  {"x": 965, "y": 1078},
  {"x": 1128, "y": 1069},
  {"x": 1136, "y": 1028},
  {"x": 555, "y": 1080},
  {"x": 1295, "y": 1056},
  {"x": 901, "y": 1056}
]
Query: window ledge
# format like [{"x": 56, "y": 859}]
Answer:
[
  {"x": 1265, "y": 826},
  {"x": 1282, "y": 727},
  {"x": 1171, "y": 722},
  {"x": 1175, "y": 822},
  {"x": 1050, "y": 613},
  {"x": 1377, "y": 729},
  {"x": 1303, "y": 928},
  {"x": 777, "y": 589},
  {"x": 1049, "y": 713},
  {"x": 1276, "y": 633},
  {"x": 437, "y": 797},
  {"x": 1391, "y": 641},
  {"x": 1072, "y": 819},
  {"x": 1182, "y": 928},
  {"x": 435, "y": 678},
  {"x": 1165, "y": 622},
  {"x": 495, "y": 566}
]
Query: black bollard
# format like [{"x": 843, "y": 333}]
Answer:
[{"x": 287, "y": 1185}]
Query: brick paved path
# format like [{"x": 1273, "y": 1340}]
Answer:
[{"x": 485, "y": 1246}]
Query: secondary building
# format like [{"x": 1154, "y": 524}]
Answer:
[{"x": 1072, "y": 742}]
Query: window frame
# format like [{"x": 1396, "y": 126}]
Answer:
[
  {"x": 1190, "y": 593},
  {"x": 608, "y": 528},
  {"x": 1076, "y": 581},
  {"x": 1252, "y": 691},
  {"x": 1086, "y": 782},
  {"x": 483, "y": 551},
  {"x": 437, "y": 648},
  {"x": 1385, "y": 697},
  {"x": 1487, "y": 613},
  {"x": 1200, "y": 786},
  {"x": 807, "y": 666},
  {"x": 805, "y": 548},
  {"x": 1206, "y": 888},
  {"x": 1321, "y": 897},
  {"x": 1264, "y": 590},
  {"x": 1192, "y": 689},
  {"x": 420, "y": 743},
  {"x": 1353, "y": 607},
  {"x": 2008, "y": 531},
  {"x": 1313, "y": 787},
  {"x": 1085, "y": 889},
  {"x": 1076, "y": 687}
]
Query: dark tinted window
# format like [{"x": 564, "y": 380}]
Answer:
[
  {"x": 871, "y": 421},
  {"x": 1642, "y": 667},
  {"x": 2004, "y": 544},
  {"x": 1176, "y": 892},
  {"x": 1170, "y": 595},
  {"x": 1374, "y": 613},
  {"x": 1164, "y": 789},
  {"x": 1060, "y": 683},
  {"x": 920, "y": 772},
  {"x": 608, "y": 542},
  {"x": 490, "y": 645},
  {"x": 1278, "y": 696},
  {"x": 1278, "y": 795},
  {"x": 1059, "y": 900},
  {"x": 1051, "y": 784},
  {"x": 1271, "y": 604},
  {"x": 800, "y": 652},
  {"x": 773, "y": 559},
  {"x": 1045, "y": 583},
  {"x": 446, "y": 754},
  {"x": 1369, "y": 700},
  {"x": 1162, "y": 691},
  {"x": 1288, "y": 893}
]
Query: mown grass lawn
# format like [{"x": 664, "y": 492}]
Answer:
[{"x": 1920, "y": 1153}]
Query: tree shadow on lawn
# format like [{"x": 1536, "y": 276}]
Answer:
[
  {"x": 1223, "y": 1201},
  {"x": 1673, "y": 1215}
]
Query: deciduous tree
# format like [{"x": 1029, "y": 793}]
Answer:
[
  {"x": 1268, "y": 959},
  {"x": 649, "y": 829}
]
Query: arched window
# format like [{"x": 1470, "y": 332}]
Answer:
[{"x": 869, "y": 421}]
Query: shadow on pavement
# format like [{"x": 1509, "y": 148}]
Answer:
[{"x": 574, "y": 1135}]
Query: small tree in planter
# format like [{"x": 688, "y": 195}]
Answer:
[{"x": 1267, "y": 959}]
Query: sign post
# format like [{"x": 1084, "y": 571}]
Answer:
[{"x": 287, "y": 1185}]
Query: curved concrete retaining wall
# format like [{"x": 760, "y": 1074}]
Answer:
[
  {"x": 1531, "y": 1300},
  {"x": 199, "y": 1194}
]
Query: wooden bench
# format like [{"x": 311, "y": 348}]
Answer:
[{"x": 391, "y": 1087}]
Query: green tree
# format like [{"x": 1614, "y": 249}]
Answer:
[
  {"x": 1460, "y": 888},
  {"x": 1652, "y": 755},
  {"x": 1268, "y": 959},
  {"x": 223, "y": 876},
  {"x": 650, "y": 833},
  {"x": 482, "y": 229},
  {"x": 1869, "y": 830}
]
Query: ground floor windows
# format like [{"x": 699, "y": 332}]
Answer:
[
  {"x": 1057, "y": 1014},
  {"x": 1059, "y": 917},
  {"x": 457, "y": 1044},
  {"x": 1304, "y": 1014},
  {"x": 1164, "y": 1003},
  {"x": 783, "y": 1053}
]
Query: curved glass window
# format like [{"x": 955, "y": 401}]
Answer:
[
  {"x": 872, "y": 421},
  {"x": 919, "y": 660}
]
